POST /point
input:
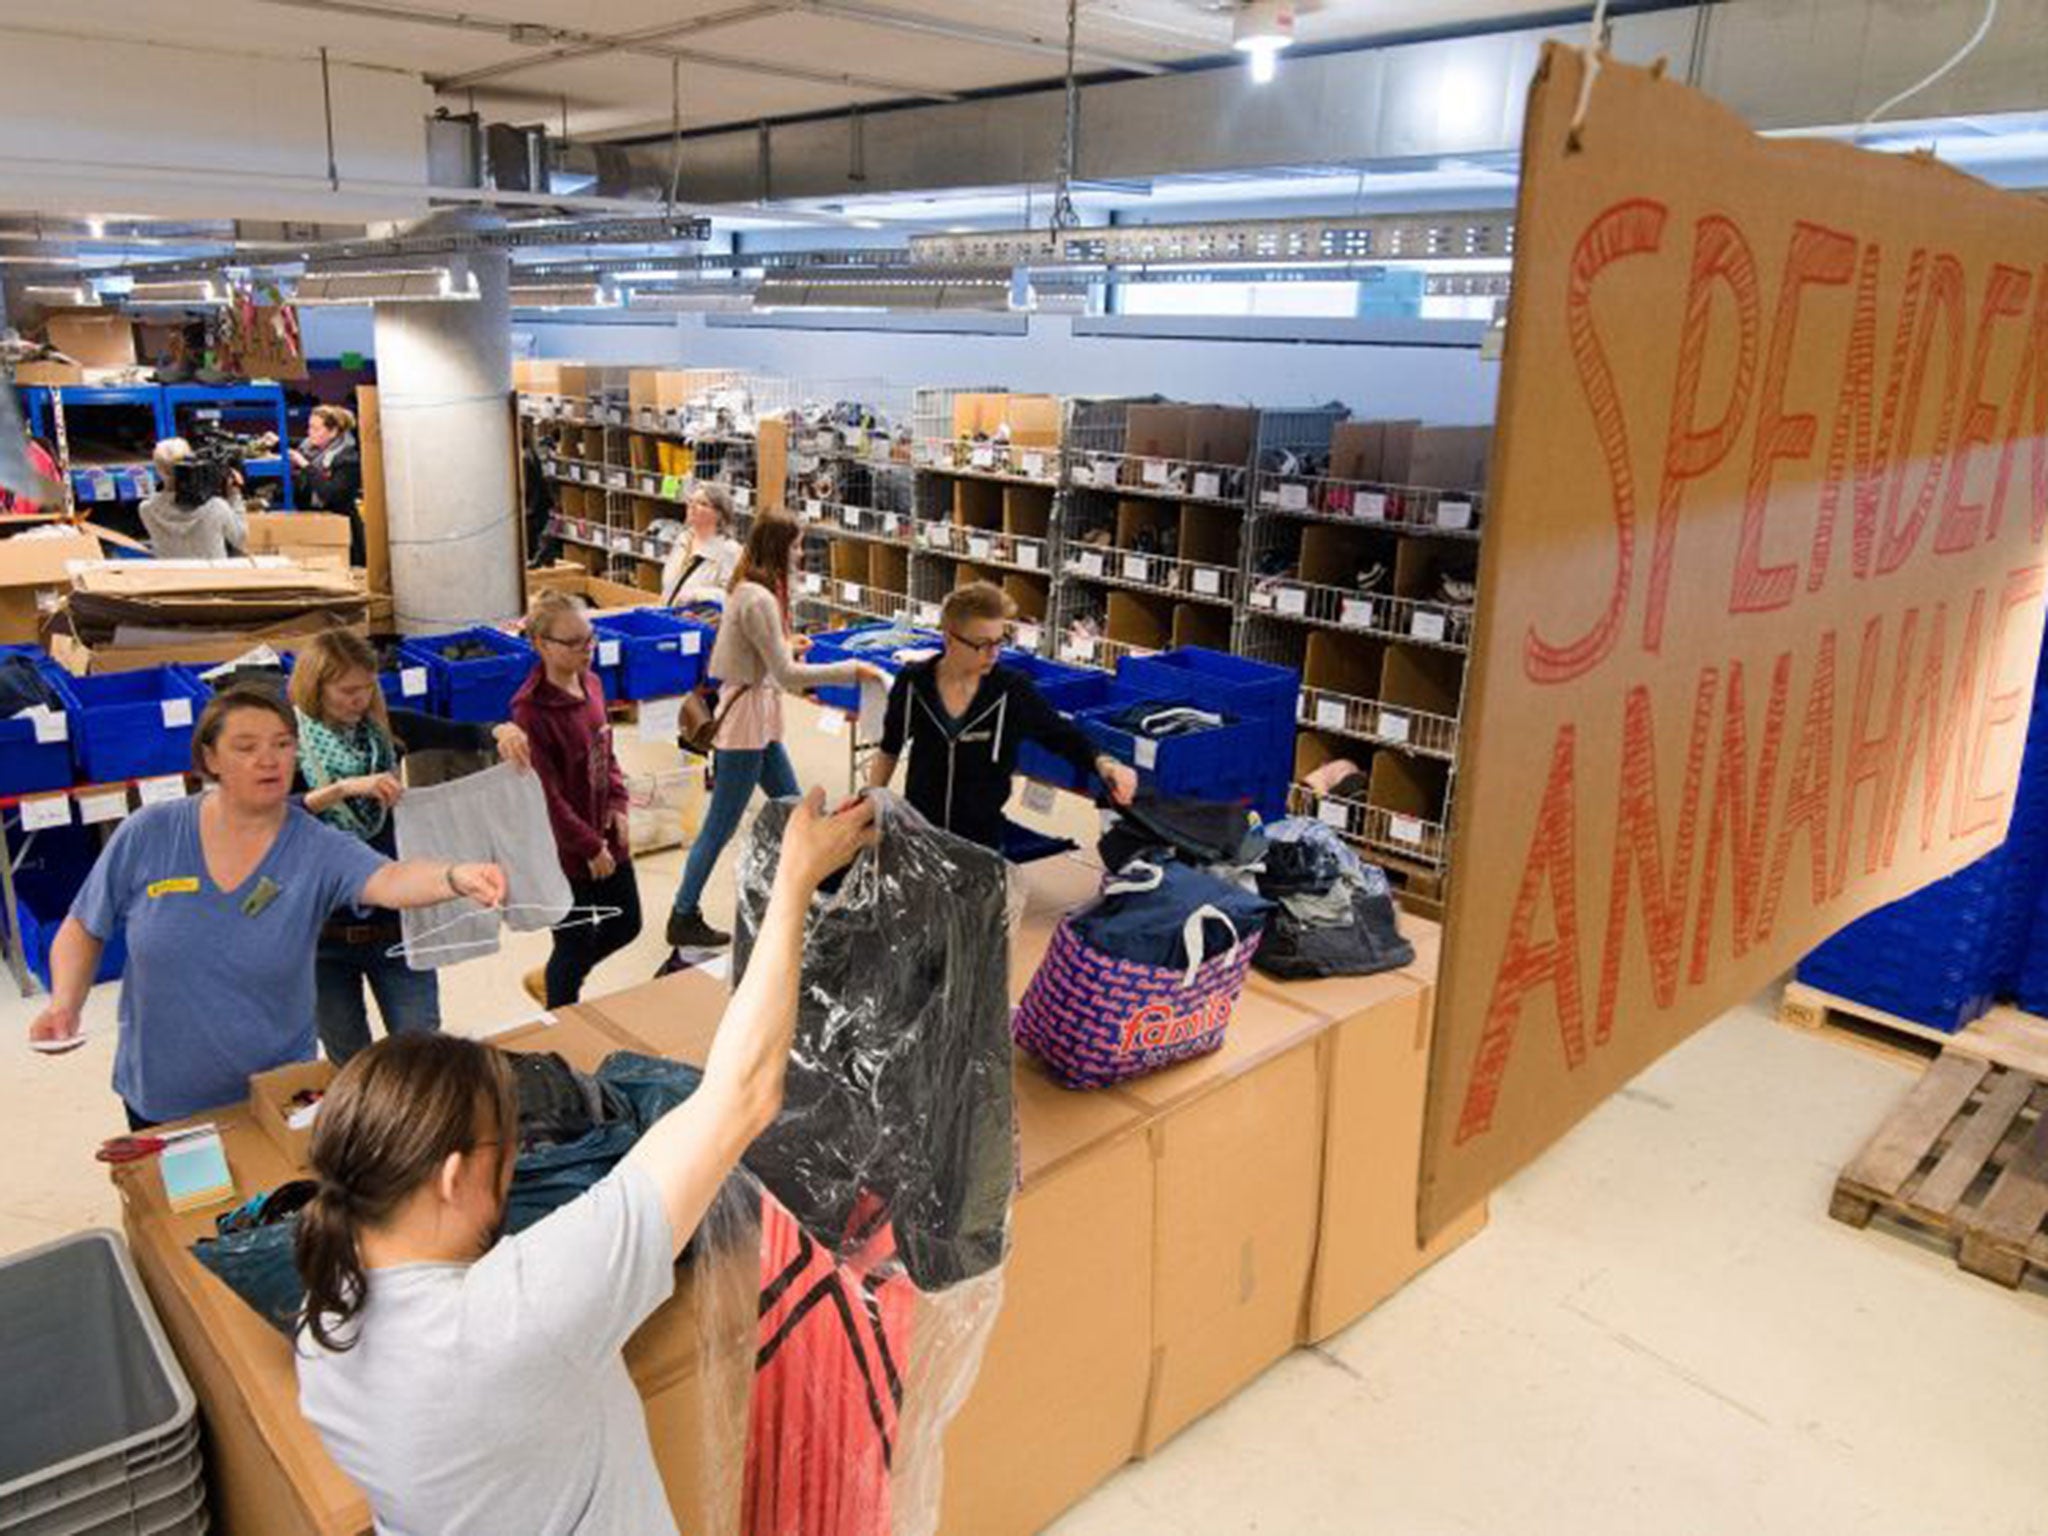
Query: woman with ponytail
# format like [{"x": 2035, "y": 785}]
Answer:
[{"x": 476, "y": 1386}]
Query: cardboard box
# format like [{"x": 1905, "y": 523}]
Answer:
[
  {"x": 536, "y": 377},
  {"x": 1450, "y": 458},
  {"x": 1033, "y": 420},
  {"x": 1221, "y": 434},
  {"x": 1027, "y": 510},
  {"x": 1346, "y": 664},
  {"x": 317, "y": 540},
  {"x": 34, "y": 577},
  {"x": 271, "y": 1106},
  {"x": 1355, "y": 450},
  {"x": 1141, "y": 620},
  {"x": 56, "y": 375},
  {"x": 1397, "y": 451},
  {"x": 978, "y": 504},
  {"x": 94, "y": 338}
]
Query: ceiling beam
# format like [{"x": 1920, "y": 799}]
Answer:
[
  {"x": 965, "y": 32},
  {"x": 585, "y": 45}
]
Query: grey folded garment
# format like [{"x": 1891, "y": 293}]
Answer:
[{"x": 499, "y": 816}]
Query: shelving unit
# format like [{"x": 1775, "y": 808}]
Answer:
[
  {"x": 1237, "y": 529},
  {"x": 105, "y": 435}
]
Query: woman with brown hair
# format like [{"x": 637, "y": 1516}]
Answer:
[
  {"x": 754, "y": 666},
  {"x": 329, "y": 466},
  {"x": 474, "y": 1385},
  {"x": 351, "y": 748},
  {"x": 221, "y": 899}
]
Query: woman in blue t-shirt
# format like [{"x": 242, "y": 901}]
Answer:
[{"x": 221, "y": 899}]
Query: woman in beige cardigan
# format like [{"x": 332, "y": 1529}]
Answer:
[{"x": 754, "y": 667}]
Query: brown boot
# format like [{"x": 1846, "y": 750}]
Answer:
[{"x": 536, "y": 983}]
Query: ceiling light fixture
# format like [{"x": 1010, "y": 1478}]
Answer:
[
  {"x": 78, "y": 294},
  {"x": 1262, "y": 28},
  {"x": 181, "y": 290},
  {"x": 386, "y": 285},
  {"x": 590, "y": 294}
]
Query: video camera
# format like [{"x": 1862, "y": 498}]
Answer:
[{"x": 213, "y": 470}]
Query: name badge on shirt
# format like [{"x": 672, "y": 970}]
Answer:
[{"x": 183, "y": 885}]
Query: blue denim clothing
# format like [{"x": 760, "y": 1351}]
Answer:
[
  {"x": 737, "y": 775},
  {"x": 1151, "y": 924},
  {"x": 409, "y": 1000}
]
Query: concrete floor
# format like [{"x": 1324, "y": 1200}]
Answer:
[{"x": 1661, "y": 1333}]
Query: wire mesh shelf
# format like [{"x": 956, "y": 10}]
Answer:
[
  {"x": 986, "y": 546},
  {"x": 1372, "y": 827},
  {"x": 848, "y": 519},
  {"x": 1376, "y": 721},
  {"x": 1402, "y": 509},
  {"x": 1146, "y": 571},
  {"x": 1442, "y": 625}
]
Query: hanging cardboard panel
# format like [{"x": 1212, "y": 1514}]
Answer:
[{"x": 1762, "y": 592}]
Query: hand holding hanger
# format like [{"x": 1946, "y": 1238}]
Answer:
[{"x": 483, "y": 884}]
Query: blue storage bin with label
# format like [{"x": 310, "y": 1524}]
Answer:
[
  {"x": 863, "y": 642},
  {"x": 650, "y": 653},
  {"x": 131, "y": 725},
  {"x": 35, "y": 751},
  {"x": 1259, "y": 691},
  {"x": 1218, "y": 763},
  {"x": 54, "y": 865},
  {"x": 472, "y": 673},
  {"x": 1088, "y": 690}
]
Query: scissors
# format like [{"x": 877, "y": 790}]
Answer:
[{"x": 129, "y": 1149}]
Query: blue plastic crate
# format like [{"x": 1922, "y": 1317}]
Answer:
[
  {"x": 27, "y": 764},
  {"x": 130, "y": 725},
  {"x": 1930, "y": 957},
  {"x": 1251, "y": 690},
  {"x": 1044, "y": 671},
  {"x": 652, "y": 653},
  {"x": 479, "y": 688},
  {"x": 1219, "y": 764},
  {"x": 830, "y": 647},
  {"x": 1087, "y": 689}
]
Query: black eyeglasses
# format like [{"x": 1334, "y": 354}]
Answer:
[
  {"x": 583, "y": 643},
  {"x": 980, "y": 647}
]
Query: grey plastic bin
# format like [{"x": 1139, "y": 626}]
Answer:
[{"x": 99, "y": 1430}]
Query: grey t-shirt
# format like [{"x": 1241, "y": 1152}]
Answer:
[{"x": 492, "y": 1397}]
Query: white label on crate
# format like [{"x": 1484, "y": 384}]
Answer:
[
  {"x": 920, "y": 453},
  {"x": 103, "y": 805},
  {"x": 1146, "y": 752},
  {"x": 1356, "y": 613},
  {"x": 979, "y": 548},
  {"x": 813, "y": 510},
  {"x": 1209, "y": 583},
  {"x": 1370, "y": 505},
  {"x": 166, "y": 787},
  {"x": 39, "y": 813},
  {"x": 1038, "y": 798},
  {"x": 1262, "y": 598},
  {"x": 1454, "y": 514},
  {"x": 51, "y": 725},
  {"x": 813, "y": 584},
  {"x": 982, "y": 457},
  {"x": 607, "y": 653},
  {"x": 412, "y": 682},
  {"x": 1091, "y": 565},
  {"x": 177, "y": 713},
  {"x": 1027, "y": 556},
  {"x": 1331, "y": 714},
  {"x": 1137, "y": 568},
  {"x": 851, "y": 516},
  {"x": 1334, "y": 813},
  {"x": 849, "y": 591},
  {"x": 693, "y": 642},
  {"x": 1405, "y": 829},
  {"x": 1153, "y": 472},
  {"x": 831, "y": 722},
  {"x": 616, "y": 479},
  {"x": 1427, "y": 626},
  {"x": 1293, "y": 600},
  {"x": 1084, "y": 474},
  {"x": 1029, "y": 637},
  {"x": 1393, "y": 727},
  {"x": 1034, "y": 464},
  {"x": 1081, "y": 651},
  {"x": 660, "y": 718},
  {"x": 1208, "y": 485},
  {"x": 1293, "y": 497}
]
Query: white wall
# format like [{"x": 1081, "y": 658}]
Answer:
[{"x": 1450, "y": 386}]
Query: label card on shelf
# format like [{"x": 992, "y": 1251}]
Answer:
[
  {"x": 39, "y": 813},
  {"x": 920, "y": 453},
  {"x": 1262, "y": 598},
  {"x": 831, "y": 722},
  {"x": 177, "y": 713},
  {"x": 978, "y": 548},
  {"x": 1370, "y": 505},
  {"x": 1427, "y": 626},
  {"x": 1137, "y": 568},
  {"x": 1029, "y": 637},
  {"x": 1292, "y": 600},
  {"x": 693, "y": 642},
  {"x": 813, "y": 510},
  {"x": 849, "y": 591},
  {"x": 982, "y": 456},
  {"x": 1081, "y": 652},
  {"x": 1331, "y": 714},
  {"x": 813, "y": 584},
  {"x": 1209, "y": 583},
  {"x": 1034, "y": 464},
  {"x": 1334, "y": 813},
  {"x": 1027, "y": 556},
  {"x": 1393, "y": 727},
  {"x": 1454, "y": 514},
  {"x": 1146, "y": 752},
  {"x": 412, "y": 682},
  {"x": 1038, "y": 798},
  {"x": 743, "y": 496},
  {"x": 163, "y": 788},
  {"x": 1357, "y": 613},
  {"x": 1152, "y": 472},
  {"x": 103, "y": 805},
  {"x": 1208, "y": 485},
  {"x": 1405, "y": 829},
  {"x": 891, "y": 524},
  {"x": 850, "y": 516},
  {"x": 660, "y": 719},
  {"x": 1294, "y": 497},
  {"x": 607, "y": 653},
  {"x": 1091, "y": 565}
]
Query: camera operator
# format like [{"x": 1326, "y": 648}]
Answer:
[
  {"x": 329, "y": 467},
  {"x": 197, "y": 515}
]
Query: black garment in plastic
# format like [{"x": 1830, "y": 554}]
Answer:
[
  {"x": 1193, "y": 831},
  {"x": 252, "y": 1254},
  {"x": 899, "y": 1081},
  {"x": 556, "y": 1102},
  {"x": 23, "y": 686}
]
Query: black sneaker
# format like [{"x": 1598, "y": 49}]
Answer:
[{"x": 688, "y": 930}]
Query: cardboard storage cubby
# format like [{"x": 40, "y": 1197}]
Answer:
[
  {"x": 1346, "y": 664},
  {"x": 1312, "y": 749},
  {"x": 966, "y": 573},
  {"x": 1202, "y": 624},
  {"x": 1033, "y": 420},
  {"x": 977, "y": 504},
  {"x": 1031, "y": 594},
  {"x": 849, "y": 561},
  {"x": 1450, "y": 458},
  {"x": 1155, "y": 432},
  {"x": 1211, "y": 535},
  {"x": 1410, "y": 788},
  {"x": 1134, "y": 516},
  {"x": 1376, "y": 452},
  {"x": 889, "y": 568},
  {"x": 1427, "y": 681},
  {"x": 1421, "y": 562},
  {"x": 1027, "y": 510},
  {"x": 644, "y": 452},
  {"x": 1332, "y": 556},
  {"x": 1141, "y": 620},
  {"x": 1220, "y": 434}
]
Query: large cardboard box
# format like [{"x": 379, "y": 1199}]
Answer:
[
  {"x": 1450, "y": 458},
  {"x": 34, "y": 576},
  {"x": 1155, "y": 432},
  {"x": 1221, "y": 434},
  {"x": 317, "y": 540},
  {"x": 272, "y": 1106},
  {"x": 94, "y": 338},
  {"x": 56, "y": 375}
]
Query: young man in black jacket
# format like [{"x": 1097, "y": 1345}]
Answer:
[{"x": 963, "y": 716}]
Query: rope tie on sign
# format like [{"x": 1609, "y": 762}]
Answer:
[
  {"x": 575, "y": 917},
  {"x": 1596, "y": 49}
]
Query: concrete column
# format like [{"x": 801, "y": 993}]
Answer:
[{"x": 444, "y": 382}]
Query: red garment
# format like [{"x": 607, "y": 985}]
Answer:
[
  {"x": 40, "y": 460},
  {"x": 572, "y": 753},
  {"x": 828, "y": 1385}
]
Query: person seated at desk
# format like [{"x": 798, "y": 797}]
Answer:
[{"x": 962, "y": 715}]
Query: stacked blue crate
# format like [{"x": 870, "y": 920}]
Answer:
[
  {"x": 2026, "y": 870},
  {"x": 1258, "y": 692}
]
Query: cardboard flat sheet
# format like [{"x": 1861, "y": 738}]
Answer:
[{"x": 1762, "y": 587}]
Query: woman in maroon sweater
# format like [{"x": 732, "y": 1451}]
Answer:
[{"x": 561, "y": 709}]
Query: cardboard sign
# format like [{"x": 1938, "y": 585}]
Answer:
[{"x": 1771, "y": 482}]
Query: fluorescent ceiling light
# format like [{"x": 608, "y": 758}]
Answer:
[
  {"x": 1261, "y": 29},
  {"x": 386, "y": 285},
  {"x": 690, "y": 298},
  {"x": 182, "y": 290},
  {"x": 61, "y": 293},
  {"x": 590, "y": 294}
]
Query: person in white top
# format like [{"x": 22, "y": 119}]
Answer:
[
  {"x": 472, "y": 1386},
  {"x": 699, "y": 569}
]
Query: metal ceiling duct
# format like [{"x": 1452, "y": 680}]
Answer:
[{"x": 904, "y": 289}]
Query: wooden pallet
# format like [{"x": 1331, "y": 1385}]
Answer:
[
  {"x": 1965, "y": 1156},
  {"x": 2005, "y": 1035}
]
